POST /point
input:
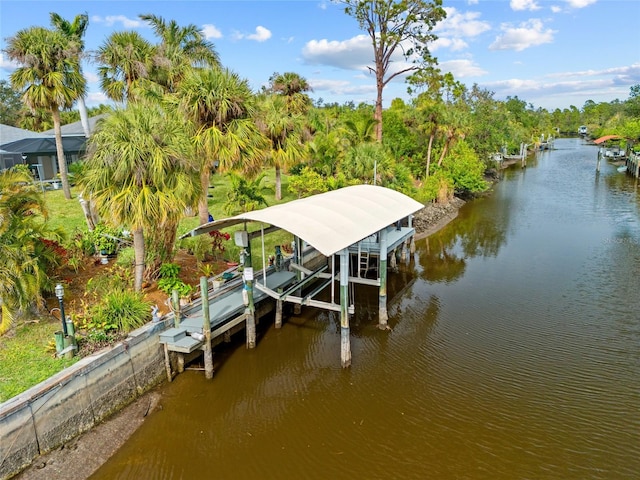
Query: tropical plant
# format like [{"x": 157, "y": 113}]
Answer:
[
  {"x": 169, "y": 281},
  {"x": 25, "y": 257},
  {"x": 283, "y": 129},
  {"x": 180, "y": 49},
  {"x": 74, "y": 31},
  {"x": 125, "y": 60},
  {"x": 245, "y": 195},
  {"x": 119, "y": 310},
  {"x": 49, "y": 77},
  {"x": 219, "y": 105},
  {"x": 140, "y": 171}
]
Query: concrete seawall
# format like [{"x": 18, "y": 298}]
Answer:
[{"x": 76, "y": 399}]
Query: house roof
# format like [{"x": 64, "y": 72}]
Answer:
[
  {"x": 75, "y": 128},
  {"x": 331, "y": 221},
  {"x": 600, "y": 140},
  {"x": 10, "y": 134},
  {"x": 45, "y": 145}
]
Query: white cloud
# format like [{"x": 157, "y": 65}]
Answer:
[
  {"x": 524, "y": 5},
  {"x": 580, "y": 3},
  {"x": 210, "y": 31},
  {"x": 340, "y": 87},
  {"x": 6, "y": 64},
  {"x": 527, "y": 34},
  {"x": 111, "y": 20},
  {"x": 462, "y": 68},
  {"x": 91, "y": 77},
  {"x": 262, "y": 34},
  {"x": 459, "y": 24},
  {"x": 352, "y": 54},
  {"x": 453, "y": 44},
  {"x": 97, "y": 98},
  {"x": 571, "y": 88}
]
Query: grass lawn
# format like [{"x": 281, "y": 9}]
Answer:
[{"x": 25, "y": 356}]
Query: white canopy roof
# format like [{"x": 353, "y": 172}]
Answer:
[{"x": 334, "y": 220}]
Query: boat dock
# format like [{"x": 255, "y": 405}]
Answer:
[{"x": 227, "y": 315}]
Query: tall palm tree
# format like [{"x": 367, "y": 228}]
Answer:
[
  {"x": 49, "y": 75},
  {"x": 180, "y": 49},
  {"x": 283, "y": 129},
  {"x": 75, "y": 30},
  {"x": 293, "y": 87},
  {"x": 125, "y": 60},
  {"x": 219, "y": 105},
  {"x": 141, "y": 173},
  {"x": 21, "y": 211}
]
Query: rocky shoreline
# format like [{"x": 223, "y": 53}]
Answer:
[
  {"x": 434, "y": 216},
  {"x": 83, "y": 455}
]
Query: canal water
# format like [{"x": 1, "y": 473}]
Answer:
[{"x": 514, "y": 354}]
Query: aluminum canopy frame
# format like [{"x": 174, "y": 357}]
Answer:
[{"x": 331, "y": 221}]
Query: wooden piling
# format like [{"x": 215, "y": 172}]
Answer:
[
  {"x": 278, "y": 313},
  {"x": 175, "y": 300},
  {"x": 206, "y": 328},
  {"x": 383, "y": 317},
  {"x": 345, "y": 341}
]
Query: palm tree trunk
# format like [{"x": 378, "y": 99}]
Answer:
[
  {"x": 62, "y": 162},
  {"x": 138, "y": 250},
  {"x": 203, "y": 204},
  {"x": 278, "y": 183}
]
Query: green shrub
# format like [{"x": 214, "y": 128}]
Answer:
[
  {"x": 169, "y": 280},
  {"x": 200, "y": 246},
  {"x": 121, "y": 311}
]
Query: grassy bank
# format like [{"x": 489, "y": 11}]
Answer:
[{"x": 26, "y": 357}]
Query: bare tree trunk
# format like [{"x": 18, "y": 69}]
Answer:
[
  {"x": 62, "y": 162},
  {"x": 378, "y": 113},
  {"x": 84, "y": 117},
  {"x": 429, "y": 153}
]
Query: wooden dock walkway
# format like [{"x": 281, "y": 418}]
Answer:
[{"x": 227, "y": 312}]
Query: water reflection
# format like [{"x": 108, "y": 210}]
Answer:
[{"x": 513, "y": 354}]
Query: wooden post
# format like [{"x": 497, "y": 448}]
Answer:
[
  {"x": 278, "y": 313},
  {"x": 345, "y": 342},
  {"x": 251, "y": 309},
  {"x": 598, "y": 162},
  {"x": 412, "y": 245},
  {"x": 167, "y": 363},
  {"x": 206, "y": 328},
  {"x": 175, "y": 300},
  {"x": 393, "y": 260},
  {"x": 382, "y": 294}
]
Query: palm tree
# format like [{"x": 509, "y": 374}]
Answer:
[
  {"x": 180, "y": 49},
  {"x": 126, "y": 60},
  {"x": 283, "y": 129},
  {"x": 293, "y": 87},
  {"x": 75, "y": 30},
  {"x": 49, "y": 75},
  {"x": 21, "y": 274},
  {"x": 141, "y": 173},
  {"x": 219, "y": 105}
]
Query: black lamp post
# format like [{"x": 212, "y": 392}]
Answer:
[{"x": 60, "y": 295}]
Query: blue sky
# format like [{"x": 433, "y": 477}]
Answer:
[{"x": 552, "y": 54}]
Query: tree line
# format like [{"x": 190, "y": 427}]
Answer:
[{"x": 180, "y": 116}]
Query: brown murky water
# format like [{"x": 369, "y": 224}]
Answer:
[{"x": 514, "y": 354}]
